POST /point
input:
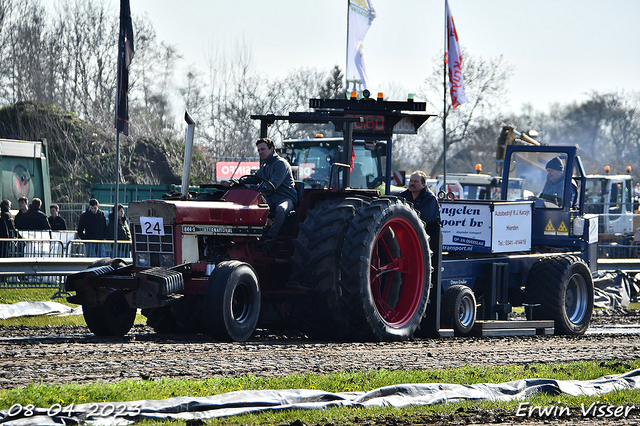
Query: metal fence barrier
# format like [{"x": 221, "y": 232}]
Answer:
[
  {"x": 40, "y": 261},
  {"x": 618, "y": 251},
  {"x": 98, "y": 248}
]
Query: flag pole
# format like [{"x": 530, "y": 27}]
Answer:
[
  {"x": 117, "y": 177},
  {"x": 346, "y": 62},
  {"x": 125, "y": 54},
  {"x": 115, "y": 205},
  {"x": 117, "y": 174},
  {"x": 453, "y": 52},
  {"x": 444, "y": 110}
]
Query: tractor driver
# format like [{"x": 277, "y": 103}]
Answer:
[
  {"x": 277, "y": 171},
  {"x": 554, "y": 187}
]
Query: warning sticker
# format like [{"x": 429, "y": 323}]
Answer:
[
  {"x": 549, "y": 229},
  {"x": 562, "y": 229}
]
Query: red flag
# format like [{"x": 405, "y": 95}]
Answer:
[
  {"x": 453, "y": 57},
  {"x": 125, "y": 54}
]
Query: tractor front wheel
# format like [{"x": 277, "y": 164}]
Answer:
[
  {"x": 459, "y": 309},
  {"x": 232, "y": 301},
  {"x": 113, "y": 317}
]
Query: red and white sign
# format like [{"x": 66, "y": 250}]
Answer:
[
  {"x": 399, "y": 178},
  {"x": 226, "y": 170},
  {"x": 305, "y": 170}
]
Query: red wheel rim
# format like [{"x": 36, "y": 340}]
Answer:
[{"x": 387, "y": 265}]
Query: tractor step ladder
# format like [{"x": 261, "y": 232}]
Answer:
[{"x": 512, "y": 328}]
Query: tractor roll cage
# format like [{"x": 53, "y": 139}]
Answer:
[{"x": 365, "y": 118}]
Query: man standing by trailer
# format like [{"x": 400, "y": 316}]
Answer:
[
  {"x": 426, "y": 203},
  {"x": 22, "y": 209}
]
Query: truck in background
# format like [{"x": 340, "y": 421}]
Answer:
[
  {"x": 25, "y": 171},
  {"x": 105, "y": 193},
  {"x": 611, "y": 198},
  {"x": 476, "y": 186}
]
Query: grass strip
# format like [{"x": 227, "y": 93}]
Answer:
[
  {"x": 468, "y": 412},
  {"x": 130, "y": 390}
]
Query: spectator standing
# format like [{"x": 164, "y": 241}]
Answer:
[
  {"x": 119, "y": 220},
  {"x": 56, "y": 222},
  {"x": 6, "y": 224},
  {"x": 93, "y": 226},
  {"x": 33, "y": 219},
  {"x": 23, "y": 202},
  {"x": 6, "y": 227}
]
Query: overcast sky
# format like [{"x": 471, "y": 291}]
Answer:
[{"x": 561, "y": 49}]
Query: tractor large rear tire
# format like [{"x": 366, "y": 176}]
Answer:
[
  {"x": 386, "y": 271},
  {"x": 563, "y": 289},
  {"x": 232, "y": 301},
  {"x": 317, "y": 248}
]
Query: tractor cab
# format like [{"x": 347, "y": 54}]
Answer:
[
  {"x": 314, "y": 159},
  {"x": 554, "y": 178},
  {"x": 361, "y": 158}
]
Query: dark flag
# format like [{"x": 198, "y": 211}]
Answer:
[{"x": 125, "y": 54}]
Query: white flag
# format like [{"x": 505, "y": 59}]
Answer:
[
  {"x": 454, "y": 59},
  {"x": 361, "y": 14}
]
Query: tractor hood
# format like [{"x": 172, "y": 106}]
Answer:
[{"x": 237, "y": 207}]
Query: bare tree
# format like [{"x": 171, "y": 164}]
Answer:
[
  {"x": 333, "y": 87},
  {"x": 82, "y": 59},
  {"x": 234, "y": 92},
  {"x": 7, "y": 10},
  {"x": 485, "y": 83},
  {"x": 27, "y": 33},
  {"x": 192, "y": 94},
  {"x": 295, "y": 90},
  {"x": 604, "y": 124}
]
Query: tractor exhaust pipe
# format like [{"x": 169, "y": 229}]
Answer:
[{"x": 186, "y": 171}]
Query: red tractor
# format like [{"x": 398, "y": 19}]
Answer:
[{"x": 349, "y": 264}]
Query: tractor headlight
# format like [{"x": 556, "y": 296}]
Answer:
[
  {"x": 166, "y": 260},
  {"x": 142, "y": 259}
]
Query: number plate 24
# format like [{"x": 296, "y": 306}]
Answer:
[{"x": 152, "y": 225}]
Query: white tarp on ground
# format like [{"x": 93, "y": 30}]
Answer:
[
  {"x": 615, "y": 289},
  {"x": 22, "y": 309},
  {"x": 242, "y": 402}
]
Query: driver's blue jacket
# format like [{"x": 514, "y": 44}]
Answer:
[{"x": 277, "y": 170}]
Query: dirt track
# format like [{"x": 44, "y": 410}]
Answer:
[{"x": 64, "y": 355}]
